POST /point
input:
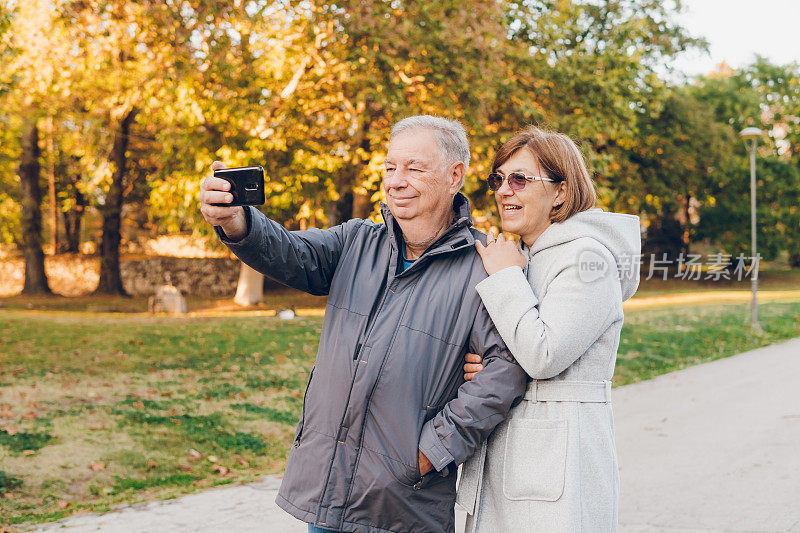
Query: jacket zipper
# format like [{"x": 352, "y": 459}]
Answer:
[
  {"x": 370, "y": 327},
  {"x": 372, "y": 391},
  {"x": 303, "y": 414}
]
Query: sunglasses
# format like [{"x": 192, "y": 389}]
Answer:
[{"x": 516, "y": 180}]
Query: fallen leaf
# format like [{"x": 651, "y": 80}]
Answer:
[
  {"x": 96, "y": 427},
  {"x": 138, "y": 405},
  {"x": 30, "y": 415},
  {"x": 176, "y": 421},
  {"x": 9, "y": 430},
  {"x": 202, "y": 482},
  {"x": 97, "y": 466},
  {"x": 221, "y": 470},
  {"x": 243, "y": 462},
  {"x": 212, "y": 458},
  {"x": 28, "y": 452},
  {"x": 186, "y": 467},
  {"x": 62, "y": 504},
  {"x": 194, "y": 455},
  {"x": 151, "y": 464}
]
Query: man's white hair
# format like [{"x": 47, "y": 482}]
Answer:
[{"x": 450, "y": 135}]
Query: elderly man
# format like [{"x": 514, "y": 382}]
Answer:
[{"x": 387, "y": 415}]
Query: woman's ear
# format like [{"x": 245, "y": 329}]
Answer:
[{"x": 561, "y": 194}]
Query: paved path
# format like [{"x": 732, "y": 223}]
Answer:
[{"x": 713, "y": 448}]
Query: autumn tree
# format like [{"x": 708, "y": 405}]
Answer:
[
  {"x": 767, "y": 96},
  {"x": 27, "y": 97},
  {"x": 126, "y": 58},
  {"x": 9, "y": 141}
]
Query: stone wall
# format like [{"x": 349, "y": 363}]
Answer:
[{"x": 74, "y": 275}]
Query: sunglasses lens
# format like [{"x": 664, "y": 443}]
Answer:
[
  {"x": 495, "y": 181},
  {"x": 516, "y": 181}
]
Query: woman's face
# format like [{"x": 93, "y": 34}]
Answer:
[{"x": 526, "y": 212}]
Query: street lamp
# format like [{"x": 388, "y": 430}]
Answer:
[{"x": 751, "y": 136}]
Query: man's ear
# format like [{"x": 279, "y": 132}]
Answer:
[{"x": 455, "y": 175}]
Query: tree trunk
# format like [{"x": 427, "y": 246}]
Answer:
[
  {"x": 51, "y": 182},
  {"x": 72, "y": 223},
  {"x": 31, "y": 219},
  {"x": 250, "y": 289},
  {"x": 110, "y": 277},
  {"x": 361, "y": 206}
]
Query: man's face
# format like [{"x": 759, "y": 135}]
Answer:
[{"x": 416, "y": 181}]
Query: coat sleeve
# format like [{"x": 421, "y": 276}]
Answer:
[
  {"x": 305, "y": 260},
  {"x": 547, "y": 336},
  {"x": 457, "y": 431}
]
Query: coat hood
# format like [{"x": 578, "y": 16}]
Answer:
[{"x": 617, "y": 232}]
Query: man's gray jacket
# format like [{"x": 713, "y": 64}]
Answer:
[{"x": 388, "y": 378}]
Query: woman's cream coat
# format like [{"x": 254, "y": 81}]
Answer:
[{"x": 552, "y": 465}]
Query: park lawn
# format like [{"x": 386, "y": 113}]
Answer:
[
  {"x": 775, "y": 279},
  {"x": 102, "y": 409}
]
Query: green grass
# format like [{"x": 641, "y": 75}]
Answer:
[
  {"x": 657, "y": 341},
  {"x": 98, "y": 410},
  {"x": 768, "y": 280},
  {"x": 22, "y": 441},
  {"x": 8, "y": 481}
]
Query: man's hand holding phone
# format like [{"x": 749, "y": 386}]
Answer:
[{"x": 217, "y": 191}]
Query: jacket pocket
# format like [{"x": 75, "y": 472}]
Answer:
[
  {"x": 535, "y": 459},
  {"x": 407, "y": 471},
  {"x": 299, "y": 431}
]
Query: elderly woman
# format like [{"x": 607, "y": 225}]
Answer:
[{"x": 556, "y": 299}]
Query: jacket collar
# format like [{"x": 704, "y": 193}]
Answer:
[{"x": 455, "y": 237}]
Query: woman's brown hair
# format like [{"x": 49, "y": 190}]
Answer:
[{"x": 561, "y": 159}]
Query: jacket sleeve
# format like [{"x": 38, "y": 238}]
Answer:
[
  {"x": 457, "y": 431},
  {"x": 305, "y": 260},
  {"x": 547, "y": 336}
]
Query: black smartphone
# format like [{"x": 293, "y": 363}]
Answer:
[{"x": 247, "y": 185}]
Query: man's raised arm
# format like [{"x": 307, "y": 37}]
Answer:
[{"x": 305, "y": 260}]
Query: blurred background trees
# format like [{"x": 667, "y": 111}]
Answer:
[{"x": 131, "y": 101}]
